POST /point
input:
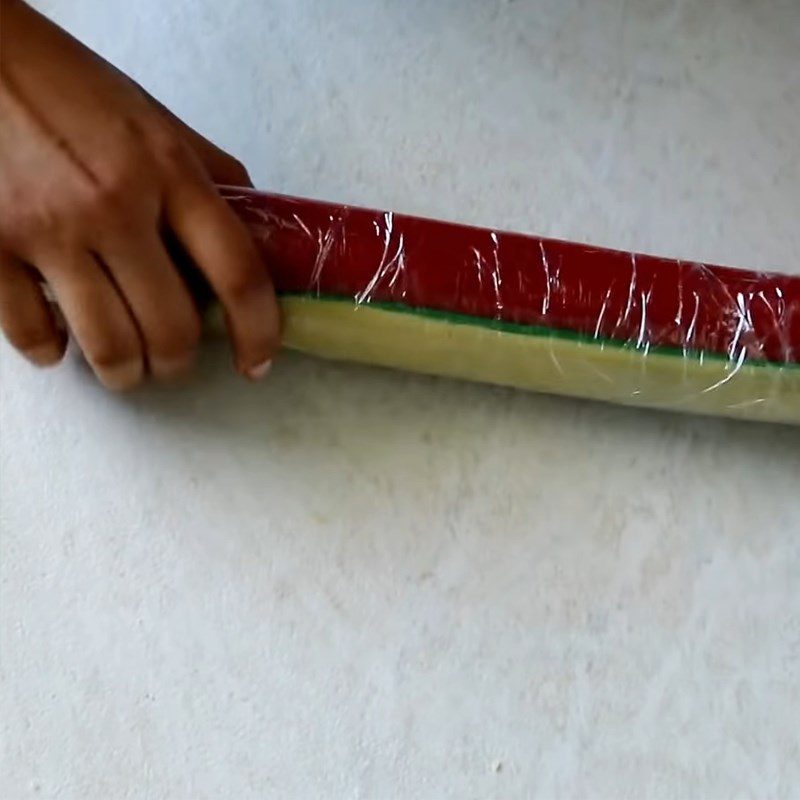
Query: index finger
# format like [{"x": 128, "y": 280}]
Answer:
[{"x": 220, "y": 246}]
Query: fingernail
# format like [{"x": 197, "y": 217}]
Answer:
[
  {"x": 46, "y": 355},
  {"x": 122, "y": 377},
  {"x": 168, "y": 368},
  {"x": 260, "y": 370}
]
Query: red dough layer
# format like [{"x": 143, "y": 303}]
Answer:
[{"x": 375, "y": 256}]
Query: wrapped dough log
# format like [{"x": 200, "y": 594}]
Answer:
[{"x": 540, "y": 314}]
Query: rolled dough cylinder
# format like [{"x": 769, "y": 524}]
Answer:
[{"x": 548, "y": 316}]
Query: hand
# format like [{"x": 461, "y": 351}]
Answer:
[{"x": 94, "y": 176}]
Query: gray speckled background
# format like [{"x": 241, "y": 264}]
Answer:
[{"x": 352, "y": 583}]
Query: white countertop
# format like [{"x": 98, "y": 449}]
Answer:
[{"x": 352, "y": 583}]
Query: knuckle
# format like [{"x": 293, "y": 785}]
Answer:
[
  {"x": 237, "y": 170},
  {"x": 65, "y": 218},
  {"x": 107, "y": 197},
  {"x": 125, "y": 185},
  {"x": 34, "y": 223},
  {"x": 109, "y": 355},
  {"x": 170, "y": 151}
]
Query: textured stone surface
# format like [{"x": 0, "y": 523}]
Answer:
[{"x": 352, "y": 583}]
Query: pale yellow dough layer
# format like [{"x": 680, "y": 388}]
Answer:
[{"x": 339, "y": 329}]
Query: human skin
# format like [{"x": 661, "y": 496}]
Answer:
[{"x": 95, "y": 177}]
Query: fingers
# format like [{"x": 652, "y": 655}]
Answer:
[
  {"x": 159, "y": 301},
  {"x": 89, "y": 169},
  {"x": 221, "y": 247},
  {"x": 98, "y": 317},
  {"x": 25, "y": 316}
]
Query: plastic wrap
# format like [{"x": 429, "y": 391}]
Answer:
[{"x": 534, "y": 313}]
